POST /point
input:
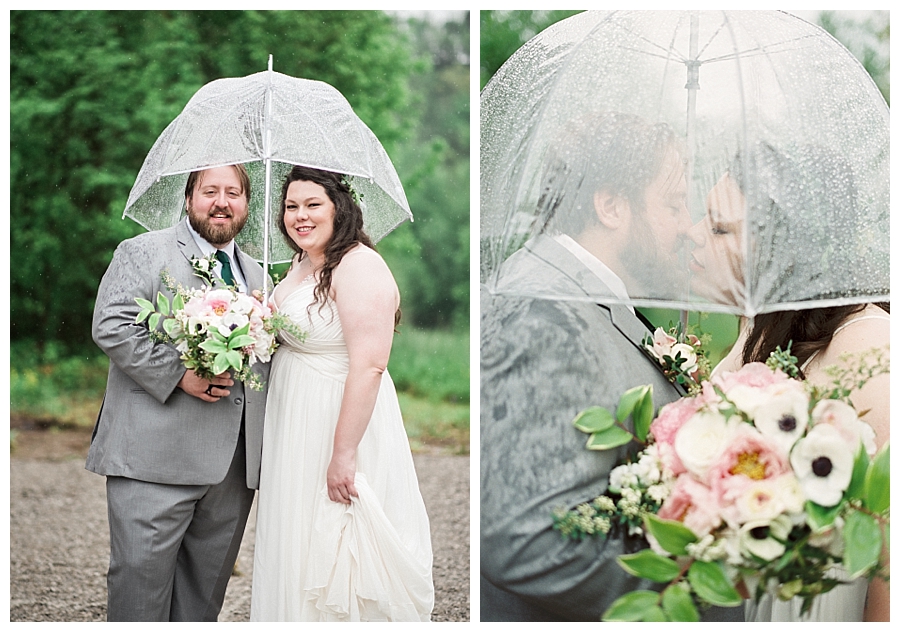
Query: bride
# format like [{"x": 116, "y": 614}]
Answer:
[
  {"x": 819, "y": 336},
  {"x": 342, "y": 532}
]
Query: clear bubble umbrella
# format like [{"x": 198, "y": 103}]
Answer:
[
  {"x": 269, "y": 122},
  {"x": 764, "y": 124}
]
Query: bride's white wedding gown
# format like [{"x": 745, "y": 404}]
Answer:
[{"x": 317, "y": 560}]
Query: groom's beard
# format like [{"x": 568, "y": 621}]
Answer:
[
  {"x": 657, "y": 274},
  {"x": 216, "y": 235}
]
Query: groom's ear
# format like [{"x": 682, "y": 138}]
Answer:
[{"x": 612, "y": 210}]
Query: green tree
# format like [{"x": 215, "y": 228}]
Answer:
[
  {"x": 90, "y": 91},
  {"x": 504, "y": 32},
  {"x": 430, "y": 256},
  {"x": 868, "y": 38}
]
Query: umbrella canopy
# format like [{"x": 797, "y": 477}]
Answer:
[
  {"x": 752, "y": 124},
  {"x": 268, "y": 121}
]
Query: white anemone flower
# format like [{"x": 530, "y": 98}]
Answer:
[
  {"x": 844, "y": 419},
  {"x": 823, "y": 463},
  {"x": 783, "y": 413},
  {"x": 763, "y": 538}
]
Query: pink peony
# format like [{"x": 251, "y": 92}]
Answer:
[
  {"x": 692, "y": 503},
  {"x": 748, "y": 456},
  {"x": 754, "y": 375},
  {"x": 667, "y": 424},
  {"x": 217, "y": 302}
]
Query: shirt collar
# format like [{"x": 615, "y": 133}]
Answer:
[{"x": 600, "y": 269}]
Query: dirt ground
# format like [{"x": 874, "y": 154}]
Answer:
[{"x": 59, "y": 535}]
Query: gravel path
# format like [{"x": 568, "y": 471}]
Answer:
[{"x": 59, "y": 536}]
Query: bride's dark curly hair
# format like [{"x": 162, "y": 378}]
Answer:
[{"x": 347, "y": 226}]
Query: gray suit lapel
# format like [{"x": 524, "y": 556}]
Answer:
[
  {"x": 252, "y": 272},
  {"x": 553, "y": 254}
]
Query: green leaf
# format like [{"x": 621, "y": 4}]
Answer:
[
  {"x": 877, "y": 496},
  {"x": 145, "y": 304},
  {"x": 154, "y": 320},
  {"x": 671, "y": 535},
  {"x": 862, "y": 543},
  {"x": 643, "y": 414},
  {"x": 235, "y": 359},
  {"x": 213, "y": 346},
  {"x": 632, "y": 606},
  {"x": 608, "y": 439},
  {"x": 169, "y": 325},
  {"x": 220, "y": 364},
  {"x": 142, "y": 315},
  {"x": 629, "y": 400},
  {"x": 648, "y": 564},
  {"x": 241, "y": 331},
  {"x": 177, "y": 303},
  {"x": 678, "y": 605},
  {"x": 856, "y": 488},
  {"x": 236, "y": 342},
  {"x": 709, "y": 581},
  {"x": 655, "y": 614},
  {"x": 819, "y": 517},
  {"x": 163, "y": 303},
  {"x": 594, "y": 419}
]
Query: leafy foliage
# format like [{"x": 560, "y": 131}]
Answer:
[{"x": 90, "y": 91}]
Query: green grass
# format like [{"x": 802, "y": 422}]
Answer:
[
  {"x": 431, "y": 424},
  {"x": 431, "y": 364},
  {"x": 430, "y": 370}
]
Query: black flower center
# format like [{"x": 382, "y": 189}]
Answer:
[
  {"x": 788, "y": 423},
  {"x": 822, "y": 466},
  {"x": 759, "y": 533}
]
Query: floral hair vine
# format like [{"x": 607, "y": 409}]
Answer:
[{"x": 357, "y": 196}]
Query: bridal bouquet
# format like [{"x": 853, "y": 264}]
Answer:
[
  {"x": 215, "y": 329},
  {"x": 759, "y": 482}
]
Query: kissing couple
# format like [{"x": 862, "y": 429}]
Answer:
[{"x": 559, "y": 334}]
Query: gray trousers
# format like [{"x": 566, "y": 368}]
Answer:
[{"x": 173, "y": 547}]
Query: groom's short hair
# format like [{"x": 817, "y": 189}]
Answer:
[
  {"x": 194, "y": 177},
  {"x": 614, "y": 152}
]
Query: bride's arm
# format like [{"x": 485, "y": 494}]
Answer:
[{"x": 366, "y": 297}]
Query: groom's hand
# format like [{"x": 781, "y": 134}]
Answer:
[{"x": 207, "y": 390}]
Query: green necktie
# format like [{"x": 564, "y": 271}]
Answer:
[{"x": 227, "y": 276}]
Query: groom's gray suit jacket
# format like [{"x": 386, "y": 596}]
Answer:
[
  {"x": 542, "y": 362},
  {"x": 148, "y": 429}
]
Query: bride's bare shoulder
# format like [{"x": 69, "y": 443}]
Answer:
[{"x": 868, "y": 329}]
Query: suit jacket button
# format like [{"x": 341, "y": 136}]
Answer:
[{"x": 238, "y": 401}]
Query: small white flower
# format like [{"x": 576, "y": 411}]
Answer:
[
  {"x": 685, "y": 351},
  {"x": 766, "y": 499},
  {"x": 823, "y": 464},
  {"x": 782, "y": 413},
  {"x": 658, "y": 492},
  {"x": 662, "y": 343},
  {"x": 761, "y": 538},
  {"x": 844, "y": 419}
]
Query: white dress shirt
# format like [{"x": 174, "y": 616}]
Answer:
[
  {"x": 207, "y": 249},
  {"x": 592, "y": 263}
]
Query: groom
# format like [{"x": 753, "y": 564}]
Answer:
[
  {"x": 181, "y": 453},
  {"x": 557, "y": 337}
]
